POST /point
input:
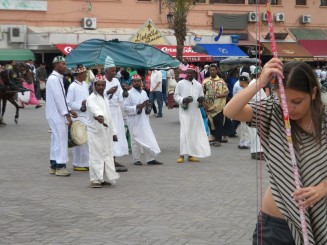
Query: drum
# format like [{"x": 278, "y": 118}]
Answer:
[{"x": 76, "y": 134}]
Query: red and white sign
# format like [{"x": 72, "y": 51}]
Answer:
[
  {"x": 188, "y": 53},
  {"x": 65, "y": 48}
]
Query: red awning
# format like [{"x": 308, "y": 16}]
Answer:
[
  {"x": 188, "y": 53},
  {"x": 317, "y": 48},
  {"x": 65, "y": 48}
]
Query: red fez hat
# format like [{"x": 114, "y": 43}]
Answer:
[
  {"x": 136, "y": 76},
  {"x": 191, "y": 67}
]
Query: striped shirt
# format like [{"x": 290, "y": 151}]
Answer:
[{"x": 312, "y": 164}]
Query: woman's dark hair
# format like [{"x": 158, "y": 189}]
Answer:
[
  {"x": 124, "y": 74},
  {"x": 299, "y": 76}
]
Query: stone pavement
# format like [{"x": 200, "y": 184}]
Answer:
[{"x": 211, "y": 202}]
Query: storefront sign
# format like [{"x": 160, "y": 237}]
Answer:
[
  {"x": 149, "y": 34},
  {"x": 65, "y": 48},
  {"x": 188, "y": 53},
  {"x": 32, "y": 5},
  {"x": 288, "y": 51}
]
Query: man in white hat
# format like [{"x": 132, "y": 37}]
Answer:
[
  {"x": 58, "y": 116},
  {"x": 193, "y": 138},
  {"x": 137, "y": 107},
  {"x": 256, "y": 149},
  {"x": 245, "y": 139},
  {"x": 101, "y": 134},
  {"x": 76, "y": 99},
  {"x": 114, "y": 93},
  {"x": 205, "y": 72}
]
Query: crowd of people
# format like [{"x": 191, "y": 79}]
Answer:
[{"x": 211, "y": 107}]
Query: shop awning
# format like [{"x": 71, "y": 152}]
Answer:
[
  {"x": 223, "y": 50},
  {"x": 65, "y": 48},
  {"x": 287, "y": 50},
  {"x": 317, "y": 48},
  {"x": 308, "y": 34},
  {"x": 188, "y": 53},
  {"x": 16, "y": 54}
]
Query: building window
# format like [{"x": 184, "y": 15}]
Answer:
[
  {"x": 273, "y": 2},
  {"x": 323, "y": 3},
  {"x": 228, "y": 1},
  {"x": 301, "y": 2}
]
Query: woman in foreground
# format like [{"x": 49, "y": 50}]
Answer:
[{"x": 279, "y": 220}]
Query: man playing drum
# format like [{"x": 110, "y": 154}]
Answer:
[
  {"x": 59, "y": 118},
  {"x": 76, "y": 99},
  {"x": 101, "y": 134}
]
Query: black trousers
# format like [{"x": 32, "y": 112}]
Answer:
[
  {"x": 274, "y": 231},
  {"x": 218, "y": 121},
  {"x": 37, "y": 90},
  {"x": 228, "y": 129},
  {"x": 154, "y": 108}
]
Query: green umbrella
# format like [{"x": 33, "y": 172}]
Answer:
[
  {"x": 232, "y": 62},
  {"x": 93, "y": 52}
]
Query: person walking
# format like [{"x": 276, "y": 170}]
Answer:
[
  {"x": 182, "y": 70},
  {"x": 156, "y": 90},
  {"x": 41, "y": 77},
  {"x": 193, "y": 139},
  {"x": 27, "y": 82},
  {"x": 164, "y": 86}
]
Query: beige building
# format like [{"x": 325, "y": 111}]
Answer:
[{"x": 40, "y": 25}]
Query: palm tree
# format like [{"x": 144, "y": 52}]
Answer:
[{"x": 180, "y": 11}]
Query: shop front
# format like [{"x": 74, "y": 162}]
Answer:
[
  {"x": 221, "y": 51},
  {"x": 188, "y": 53},
  {"x": 317, "y": 48},
  {"x": 288, "y": 51}
]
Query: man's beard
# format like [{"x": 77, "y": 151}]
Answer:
[{"x": 138, "y": 89}]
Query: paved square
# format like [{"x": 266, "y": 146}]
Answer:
[{"x": 211, "y": 202}]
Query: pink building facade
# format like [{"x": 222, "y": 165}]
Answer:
[{"x": 43, "y": 24}]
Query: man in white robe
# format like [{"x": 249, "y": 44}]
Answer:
[
  {"x": 193, "y": 139},
  {"x": 101, "y": 133},
  {"x": 59, "y": 118},
  {"x": 245, "y": 138},
  {"x": 137, "y": 108},
  {"x": 114, "y": 93},
  {"x": 256, "y": 149},
  {"x": 77, "y": 94}
]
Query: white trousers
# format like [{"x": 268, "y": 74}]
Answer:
[
  {"x": 59, "y": 140},
  {"x": 245, "y": 139},
  {"x": 138, "y": 149},
  {"x": 103, "y": 171},
  {"x": 255, "y": 141},
  {"x": 81, "y": 156}
]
